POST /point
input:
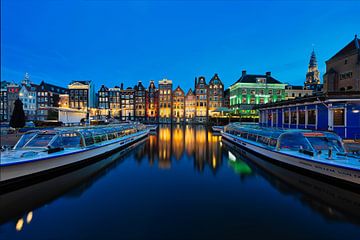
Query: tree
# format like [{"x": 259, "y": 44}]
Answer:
[{"x": 18, "y": 116}]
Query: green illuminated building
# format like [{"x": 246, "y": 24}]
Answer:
[{"x": 252, "y": 90}]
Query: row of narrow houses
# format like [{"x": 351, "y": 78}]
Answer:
[{"x": 163, "y": 103}]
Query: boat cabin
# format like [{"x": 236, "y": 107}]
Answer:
[
  {"x": 305, "y": 141},
  {"x": 64, "y": 138}
]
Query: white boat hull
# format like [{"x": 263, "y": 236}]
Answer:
[
  {"x": 13, "y": 172},
  {"x": 340, "y": 173}
]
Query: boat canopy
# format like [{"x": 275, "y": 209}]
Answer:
[
  {"x": 75, "y": 137},
  {"x": 282, "y": 139}
]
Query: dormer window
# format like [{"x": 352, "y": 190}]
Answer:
[{"x": 260, "y": 80}]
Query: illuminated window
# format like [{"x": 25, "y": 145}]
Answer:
[{"x": 339, "y": 117}]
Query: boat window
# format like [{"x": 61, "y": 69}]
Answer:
[
  {"x": 111, "y": 133},
  {"x": 24, "y": 139},
  {"x": 72, "y": 140},
  {"x": 89, "y": 140},
  {"x": 252, "y": 137},
  {"x": 99, "y": 135},
  {"x": 121, "y": 133},
  {"x": 324, "y": 143},
  {"x": 263, "y": 140},
  {"x": 273, "y": 142},
  {"x": 40, "y": 140},
  {"x": 294, "y": 142},
  {"x": 57, "y": 143},
  {"x": 244, "y": 134}
]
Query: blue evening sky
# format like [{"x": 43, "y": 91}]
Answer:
[{"x": 112, "y": 41}]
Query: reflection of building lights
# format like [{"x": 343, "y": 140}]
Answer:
[
  {"x": 19, "y": 225},
  {"x": 29, "y": 217},
  {"x": 231, "y": 156},
  {"x": 214, "y": 161}
]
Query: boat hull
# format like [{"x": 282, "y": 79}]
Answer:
[
  {"x": 23, "y": 171},
  {"x": 328, "y": 171}
]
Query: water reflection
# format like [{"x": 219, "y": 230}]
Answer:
[
  {"x": 175, "y": 142},
  {"x": 333, "y": 202},
  {"x": 21, "y": 203}
]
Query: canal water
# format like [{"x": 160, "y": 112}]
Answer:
[{"x": 181, "y": 183}]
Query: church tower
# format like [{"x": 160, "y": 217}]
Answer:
[
  {"x": 26, "y": 81},
  {"x": 313, "y": 74}
]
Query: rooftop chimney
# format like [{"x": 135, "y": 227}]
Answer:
[
  {"x": 268, "y": 74},
  {"x": 243, "y": 73},
  {"x": 195, "y": 81},
  {"x": 121, "y": 86}
]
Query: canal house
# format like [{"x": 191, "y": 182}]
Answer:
[
  {"x": 152, "y": 100},
  {"x": 178, "y": 105},
  {"x": 165, "y": 101},
  {"x": 190, "y": 106},
  {"x": 216, "y": 94},
  {"x": 140, "y": 102},
  {"x": 201, "y": 93}
]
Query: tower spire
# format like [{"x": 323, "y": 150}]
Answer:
[
  {"x": 313, "y": 60},
  {"x": 313, "y": 74}
]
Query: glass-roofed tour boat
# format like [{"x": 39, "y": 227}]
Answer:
[
  {"x": 318, "y": 153},
  {"x": 42, "y": 151}
]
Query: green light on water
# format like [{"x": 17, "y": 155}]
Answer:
[{"x": 240, "y": 167}]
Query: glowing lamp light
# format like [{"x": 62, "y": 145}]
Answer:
[
  {"x": 19, "y": 225},
  {"x": 29, "y": 217},
  {"x": 231, "y": 156}
]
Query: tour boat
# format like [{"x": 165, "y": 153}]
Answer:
[
  {"x": 316, "y": 152},
  {"x": 39, "y": 152}
]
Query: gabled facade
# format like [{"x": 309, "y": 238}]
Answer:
[
  {"x": 178, "y": 105},
  {"x": 152, "y": 103},
  {"x": 140, "y": 102},
  {"x": 103, "y": 97},
  {"x": 343, "y": 69},
  {"x": 28, "y": 96},
  {"x": 165, "y": 101},
  {"x": 201, "y": 93},
  {"x": 216, "y": 94},
  {"x": 190, "y": 106},
  {"x": 115, "y": 102},
  {"x": 127, "y": 104}
]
